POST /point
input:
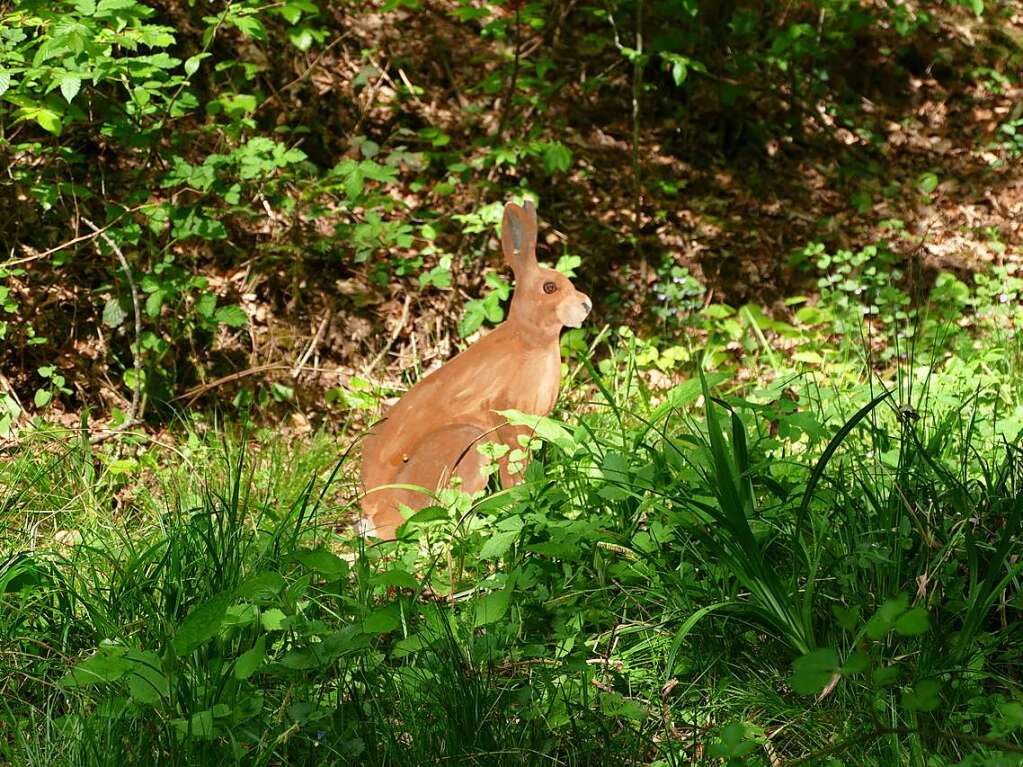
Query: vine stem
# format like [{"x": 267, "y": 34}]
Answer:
[{"x": 134, "y": 413}]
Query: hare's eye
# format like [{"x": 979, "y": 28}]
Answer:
[{"x": 549, "y": 287}]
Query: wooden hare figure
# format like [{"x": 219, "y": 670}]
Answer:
[{"x": 431, "y": 434}]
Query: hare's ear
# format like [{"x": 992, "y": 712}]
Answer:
[{"x": 518, "y": 237}]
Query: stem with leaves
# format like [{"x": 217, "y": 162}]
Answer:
[{"x": 134, "y": 410}]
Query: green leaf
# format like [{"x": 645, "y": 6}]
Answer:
[
  {"x": 200, "y": 725},
  {"x": 382, "y": 620},
  {"x": 925, "y": 696},
  {"x": 5, "y": 82},
  {"x": 1012, "y": 712},
  {"x": 69, "y": 86},
  {"x": 154, "y": 302},
  {"x": 400, "y": 579},
  {"x": 856, "y": 663},
  {"x": 556, "y": 157},
  {"x": 122, "y": 466},
  {"x": 847, "y": 617},
  {"x": 543, "y": 427},
  {"x": 107, "y": 665},
  {"x": 492, "y": 608},
  {"x": 273, "y": 619},
  {"x": 49, "y": 121},
  {"x": 261, "y": 586},
  {"x": 232, "y": 316},
  {"x": 302, "y": 38},
  {"x": 248, "y": 662},
  {"x": 814, "y": 671},
  {"x": 497, "y": 545},
  {"x": 110, "y": 7},
  {"x": 146, "y": 681},
  {"x": 201, "y": 624},
  {"x": 885, "y": 676},
  {"x": 913, "y": 622},
  {"x": 42, "y": 397},
  {"x": 113, "y": 313},
  {"x": 927, "y": 182},
  {"x": 192, "y": 63},
  {"x": 206, "y": 305},
  {"x": 322, "y": 561}
]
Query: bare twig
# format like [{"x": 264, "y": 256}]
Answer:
[
  {"x": 198, "y": 391},
  {"x": 134, "y": 413},
  {"x": 68, "y": 244},
  {"x": 306, "y": 72},
  {"x": 312, "y": 346},
  {"x": 394, "y": 336},
  {"x": 513, "y": 81}
]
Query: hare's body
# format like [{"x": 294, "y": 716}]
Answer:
[{"x": 431, "y": 434}]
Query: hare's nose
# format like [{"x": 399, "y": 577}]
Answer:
[{"x": 587, "y": 305}]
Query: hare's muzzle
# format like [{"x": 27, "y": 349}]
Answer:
[{"x": 575, "y": 309}]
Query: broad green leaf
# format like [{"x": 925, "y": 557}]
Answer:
[
  {"x": 42, "y": 397},
  {"x": 201, "y": 725},
  {"x": 154, "y": 302},
  {"x": 113, "y": 313},
  {"x": 913, "y": 622},
  {"x": 206, "y": 305},
  {"x": 322, "y": 561},
  {"x": 232, "y": 316},
  {"x": 885, "y": 676},
  {"x": 49, "y": 121},
  {"x": 1012, "y": 712},
  {"x": 556, "y": 157},
  {"x": 122, "y": 466},
  {"x": 146, "y": 681},
  {"x": 249, "y": 662},
  {"x": 201, "y": 624},
  {"x": 273, "y": 619},
  {"x": 924, "y": 696},
  {"x": 69, "y": 86},
  {"x": 382, "y": 620},
  {"x": 111, "y": 7},
  {"x": 492, "y": 607},
  {"x": 812, "y": 672},
  {"x": 927, "y": 183},
  {"x": 543, "y": 427},
  {"x": 497, "y": 544},
  {"x": 108, "y": 665},
  {"x": 192, "y": 63},
  {"x": 397, "y": 578},
  {"x": 884, "y": 619},
  {"x": 261, "y": 586}
]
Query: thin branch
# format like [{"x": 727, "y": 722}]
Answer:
[
  {"x": 394, "y": 336},
  {"x": 134, "y": 413},
  {"x": 74, "y": 241},
  {"x": 312, "y": 346},
  {"x": 513, "y": 82}
]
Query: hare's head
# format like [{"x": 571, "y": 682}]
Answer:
[{"x": 544, "y": 299}]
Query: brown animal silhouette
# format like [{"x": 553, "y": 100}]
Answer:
[{"x": 431, "y": 434}]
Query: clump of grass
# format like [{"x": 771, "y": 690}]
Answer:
[{"x": 709, "y": 577}]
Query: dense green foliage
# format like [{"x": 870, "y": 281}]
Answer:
[
  {"x": 776, "y": 517},
  {"x": 673, "y": 584},
  {"x": 296, "y": 161}
]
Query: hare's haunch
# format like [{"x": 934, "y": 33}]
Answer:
[{"x": 431, "y": 434}]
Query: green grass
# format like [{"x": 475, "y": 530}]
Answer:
[{"x": 710, "y": 575}]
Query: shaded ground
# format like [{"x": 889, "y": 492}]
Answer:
[{"x": 910, "y": 132}]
